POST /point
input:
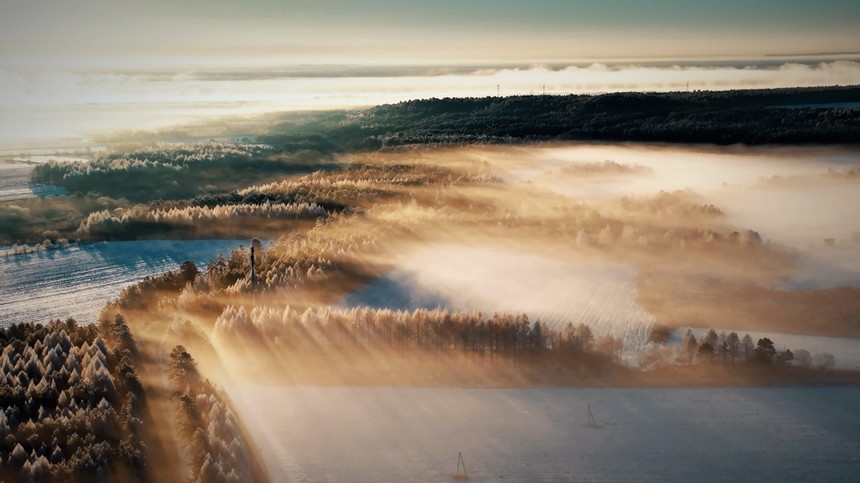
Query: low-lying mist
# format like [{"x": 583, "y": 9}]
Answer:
[{"x": 803, "y": 198}]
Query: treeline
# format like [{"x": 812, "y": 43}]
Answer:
[
  {"x": 211, "y": 433},
  {"x": 718, "y": 117},
  {"x": 70, "y": 403},
  {"x": 503, "y": 337},
  {"x": 175, "y": 171},
  {"x": 732, "y": 349},
  {"x": 357, "y": 182},
  {"x": 140, "y": 221},
  {"x": 145, "y": 292}
]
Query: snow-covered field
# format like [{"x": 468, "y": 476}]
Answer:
[
  {"x": 407, "y": 434},
  {"x": 462, "y": 277},
  {"x": 77, "y": 281},
  {"x": 846, "y": 351},
  {"x": 15, "y": 183}
]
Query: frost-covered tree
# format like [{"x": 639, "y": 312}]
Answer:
[{"x": 689, "y": 345}]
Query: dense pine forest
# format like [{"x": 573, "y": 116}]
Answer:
[{"x": 769, "y": 116}]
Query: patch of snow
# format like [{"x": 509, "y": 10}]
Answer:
[
  {"x": 44, "y": 158},
  {"x": 15, "y": 183}
]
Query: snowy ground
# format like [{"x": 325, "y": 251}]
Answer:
[
  {"x": 846, "y": 351},
  {"x": 463, "y": 277},
  {"x": 403, "y": 434},
  {"x": 77, "y": 281},
  {"x": 15, "y": 183}
]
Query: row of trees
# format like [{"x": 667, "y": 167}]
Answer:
[
  {"x": 355, "y": 183},
  {"x": 211, "y": 433},
  {"x": 105, "y": 224},
  {"x": 510, "y": 337},
  {"x": 730, "y": 348},
  {"x": 69, "y": 402}
]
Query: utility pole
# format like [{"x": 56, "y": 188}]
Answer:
[
  {"x": 497, "y": 90},
  {"x": 544, "y": 89}
]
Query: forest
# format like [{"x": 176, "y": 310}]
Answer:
[
  {"x": 752, "y": 117},
  {"x": 71, "y": 405}
]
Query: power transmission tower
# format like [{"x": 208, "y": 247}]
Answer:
[
  {"x": 460, "y": 463},
  {"x": 592, "y": 423}
]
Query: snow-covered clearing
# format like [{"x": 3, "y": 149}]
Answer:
[
  {"x": 77, "y": 281},
  {"x": 846, "y": 351},
  {"x": 462, "y": 277},
  {"x": 15, "y": 183},
  {"x": 407, "y": 434}
]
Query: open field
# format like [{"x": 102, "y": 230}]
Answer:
[
  {"x": 388, "y": 434},
  {"x": 77, "y": 281}
]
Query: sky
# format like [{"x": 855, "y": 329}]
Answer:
[
  {"x": 171, "y": 61},
  {"x": 409, "y": 31}
]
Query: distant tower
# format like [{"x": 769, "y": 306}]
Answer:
[
  {"x": 497, "y": 90},
  {"x": 254, "y": 280}
]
